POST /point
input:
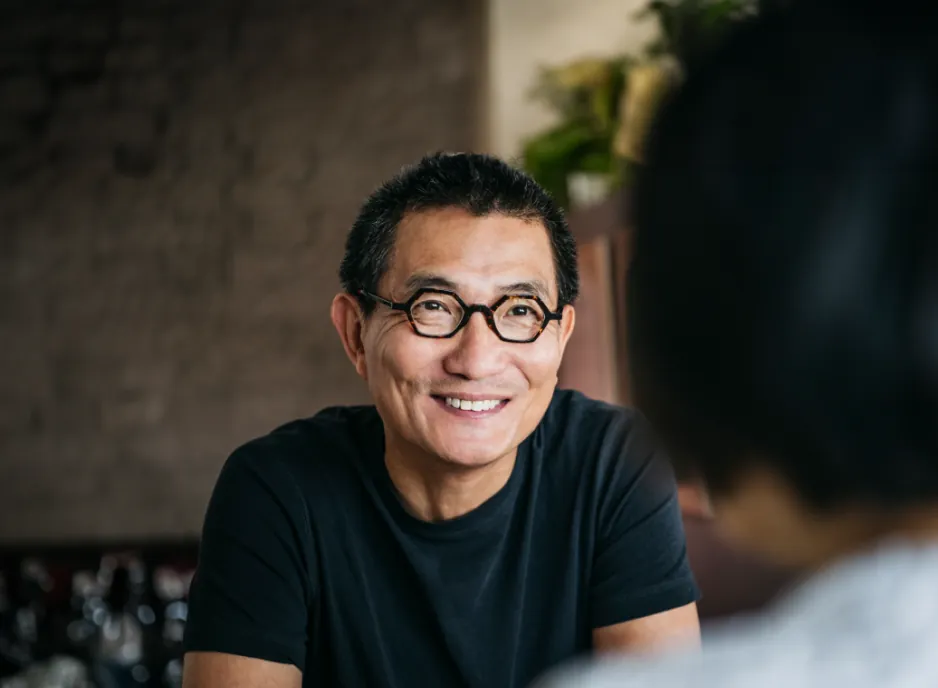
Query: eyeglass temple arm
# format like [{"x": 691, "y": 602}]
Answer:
[{"x": 390, "y": 304}]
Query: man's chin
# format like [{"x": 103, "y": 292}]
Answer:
[
  {"x": 468, "y": 456},
  {"x": 472, "y": 444}
]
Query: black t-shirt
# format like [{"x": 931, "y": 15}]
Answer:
[{"x": 309, "y": 557}]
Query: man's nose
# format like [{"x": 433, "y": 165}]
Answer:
[{"x": 478, "y": 353}]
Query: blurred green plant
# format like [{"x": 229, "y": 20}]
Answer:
[{"x": 588, "y": 94}]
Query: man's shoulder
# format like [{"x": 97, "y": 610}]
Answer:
[
  {"x": 585, "y": 428},
  {"x": 570, "y": 404},
  {"x": 332, "y": 436}
]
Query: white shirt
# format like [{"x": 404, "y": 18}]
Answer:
[{"x": 868, "y": 621}]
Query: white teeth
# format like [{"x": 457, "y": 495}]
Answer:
[{"x": 466, "y": 405}]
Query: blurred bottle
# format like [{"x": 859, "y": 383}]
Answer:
[
  {"x": 121, "y": 624},
  {"x": 86, "y": 612},
  {"x": 172, "y": 588},
  {"x": 118, "y": 657},
  {"x": 9, "y": 663},
  {"x": 25, "y": 631}
]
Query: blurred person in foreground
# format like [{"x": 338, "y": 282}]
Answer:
[
  {"x": 474, "y": 527},
  {"x": 784, "y": 338}
]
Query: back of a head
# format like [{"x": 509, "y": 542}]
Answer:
[{"x": 783, "y": 297}]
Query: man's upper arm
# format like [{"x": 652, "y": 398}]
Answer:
[
  {"x": 642, "y": 591},
  {"x": 213, "y": 670},
  {"x": 677, "y": 628},
  {"x": 252, "y": 590}
]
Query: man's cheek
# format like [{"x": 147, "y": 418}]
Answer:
[{"x": 541, "y": 365}]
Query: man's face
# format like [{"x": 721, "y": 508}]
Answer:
[{"x": 416, "y": 381}]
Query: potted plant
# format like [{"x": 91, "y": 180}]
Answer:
[
  {"x": 606, "y": 105},
  {"x": 587, "y": 94}
]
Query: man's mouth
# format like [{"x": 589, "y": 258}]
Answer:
[{"x": 476, "y": 406}]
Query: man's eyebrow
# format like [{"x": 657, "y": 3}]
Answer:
[
  {"x": 424, "y": 280},
  {"x": 535, "y": 287}
]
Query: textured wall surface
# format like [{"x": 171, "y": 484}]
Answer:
[{"x": 176, "y": 180}]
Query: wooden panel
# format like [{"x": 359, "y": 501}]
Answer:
[
  {"x": 591, "y": 360},
  {"x": 600, "y": 220},
  {"x": 595, "y": 361},
  {"x": 621, "y": 252}
]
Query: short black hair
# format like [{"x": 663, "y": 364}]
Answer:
[
  {"x": 480, "y": 185},
  {"x": 783, "y": 293}
]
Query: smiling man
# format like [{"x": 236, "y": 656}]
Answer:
[{"x": 474, "y": 527}]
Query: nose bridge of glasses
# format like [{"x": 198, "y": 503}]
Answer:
[{"x": 487, "y": 315}]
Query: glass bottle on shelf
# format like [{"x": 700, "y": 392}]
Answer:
[{"x": 118, "y": 653}]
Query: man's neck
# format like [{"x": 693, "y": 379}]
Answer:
[{"x": 434, "y": 490}]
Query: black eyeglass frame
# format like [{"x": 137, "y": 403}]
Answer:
[{"x": 488, "y": 312}]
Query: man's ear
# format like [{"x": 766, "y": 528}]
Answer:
[
  {"x": 567, "y": 323},
  {"x": 347, "y": 317}
]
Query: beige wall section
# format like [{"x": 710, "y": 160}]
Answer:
[{"x": 527, "y": 34}]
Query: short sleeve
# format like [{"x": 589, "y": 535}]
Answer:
[
  {"x": 640, "y": 564},
  {"x": 252, "y": 589}
]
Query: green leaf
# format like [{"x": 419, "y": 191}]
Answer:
[{"x": 573, "y": 146}]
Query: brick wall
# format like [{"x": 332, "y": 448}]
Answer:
[{"x": 176, "y": 179}]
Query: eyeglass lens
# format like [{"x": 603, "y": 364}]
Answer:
[{"x": 438, "y": 315}]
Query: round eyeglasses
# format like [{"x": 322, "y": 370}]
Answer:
[{"x": 440, "y": 314}]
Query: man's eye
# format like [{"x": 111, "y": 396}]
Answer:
[{"x": 431, "y": 306}]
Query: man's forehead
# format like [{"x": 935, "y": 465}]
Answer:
[{"x": 451, "y": 248}]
